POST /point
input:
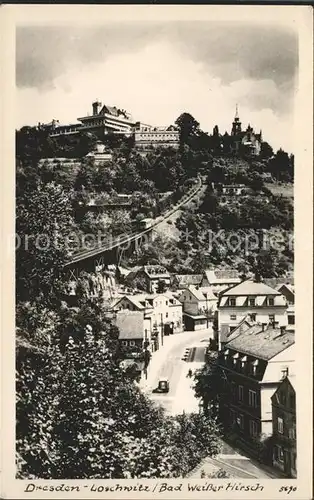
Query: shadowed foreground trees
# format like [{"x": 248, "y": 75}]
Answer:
[{"x": 79, "y": 414}]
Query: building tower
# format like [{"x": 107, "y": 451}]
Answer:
[
  {"x": 96, "y": 107},
  {"x": 236, "y": 125}
]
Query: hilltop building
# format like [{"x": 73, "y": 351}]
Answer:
[
  {"x": 147, "y": 137},
  {"x": 244, "y": 141}
]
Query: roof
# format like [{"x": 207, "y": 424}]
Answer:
[
  {"x": 251, "y": 288},
  {"x": 222, "y": 276},
  {"x": 208, "y": 293},
  {"x": 289, "y": 287},
  {"x": 134, "y": 299},
  {"x": 130, "y": 325},
  {"x": 262, "y": 344},
  {"x": 189, "y": 279},
  {"x": 156, "y": 271},
  {"x": 290, "y": 380}
]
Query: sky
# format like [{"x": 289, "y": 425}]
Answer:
[{"x": 156, "y": 71}]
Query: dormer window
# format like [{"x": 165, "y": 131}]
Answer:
[
  {"x": 271, "y": 301},
  {"x": 243, "y": 361},
  {"x": 232, "y": 302},
  {"x": 226, "y": 353},
  {"x": 252, "y": 302}
]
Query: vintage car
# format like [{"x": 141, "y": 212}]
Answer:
[{"x": 163, "y": 386}]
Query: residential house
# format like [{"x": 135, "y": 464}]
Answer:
[
  {"x": 149, "y": 278},
  {"x": 284, "y": 427},
  {"x": 198, "y": 305},
  {"x": 287, "y": 291},
  {"x": 162, "y": 315},
  {"x": 182, "y": 281},
  {"x": 260, "y": 302},
  {"x": 253, "y": 363},
  {"x": 220, "y": 280},
  {"x": 131, "y": 329}
]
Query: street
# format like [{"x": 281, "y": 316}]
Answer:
[{"x": 167, "y": 363}]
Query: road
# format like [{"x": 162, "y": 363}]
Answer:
[{"x": 167, "y": 363}]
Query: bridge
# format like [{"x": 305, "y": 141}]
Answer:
[{"x": 111, "y": 252}]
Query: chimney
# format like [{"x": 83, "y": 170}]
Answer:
[
  {"x": 96, "y": 105},
  {"x": 282, "y": 330}
]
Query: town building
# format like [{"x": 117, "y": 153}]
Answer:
[
  {"x": 247, "y": 141},
  {"x": 149, "y": 278},
  {"x": 199, "y": 305},
  {"x": 230, "y": 189},
  {"x": 253, "y": 363},
  {"x": 287, "y": 290},
  {"x": 131, "y": 329},
  {"x": 162, "y": 315},
  {"x": 148, "y": 137},
  {"x": 100, "y": 154},
  {"x": 220, "y": 280},
  {"x": 258, "y": 301},
  {"x": 284, "y": 427}
]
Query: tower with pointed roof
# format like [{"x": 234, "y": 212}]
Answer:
[{"x": 236, "y": 125}]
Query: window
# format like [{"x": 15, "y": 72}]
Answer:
[
  {"x": 240, "y": 393},
  {"x": 253, "y": 428},
  {"x": 271, "y": 318},
  {"x": 252, "y": 302},
  {"x": 252, "y": 398},
  {"x": 271, "y": 302},
  {"x": 284, "y": 372},
  {"x": 278, "y": 453},
  {"x": 294, "y": 461},
  {"x": 280, "y": 425},
  {"x": 167, "y": 315},
  {"x": 240, "y": 421},
  {"x": 124, "y": 342},
  {"x": 291, "y": 320},
  {"x": 132, "y": 343},
  {"x": 232, "y": 302},
  {"x": 233, "y": 317},
  {"x": 253, "y": 317},
  {"x": 292, "y": 431}
]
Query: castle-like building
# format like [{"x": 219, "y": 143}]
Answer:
[
  {"x": 106, "y": 120},
  {"x": 244, "y": 141}
]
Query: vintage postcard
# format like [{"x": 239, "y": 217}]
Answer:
[{"x": 157, "y": 251}]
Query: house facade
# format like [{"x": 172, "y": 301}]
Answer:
[
  {"x": 252, "y": 364},
  {"x": 149, "y": 278},
  {"x": 147, "y": 136},
  {"x": 199, "y": 304},
  {"x": 284, "y": 427},
  {"x": 162, "y": 315},
  {"x": 287, "y": 291},
  {"x": 257, "y": 301}
]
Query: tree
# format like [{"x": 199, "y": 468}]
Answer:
[
  {"x": 266, "y": 151},
  {"x": 161, "y": 287},
  {"x": 188, "y": 127},
  {"x": 79, "y": 415},
  {"x": 43, "y": 225}
]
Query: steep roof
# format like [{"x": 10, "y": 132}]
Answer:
[
  {"x": 208, "y": 293},
  {"x": 262, "y": 344},
  {"x": 130, "y": 325},
  {"x": 134, "y": 299},
  {"x": 251, "y": 288}
]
